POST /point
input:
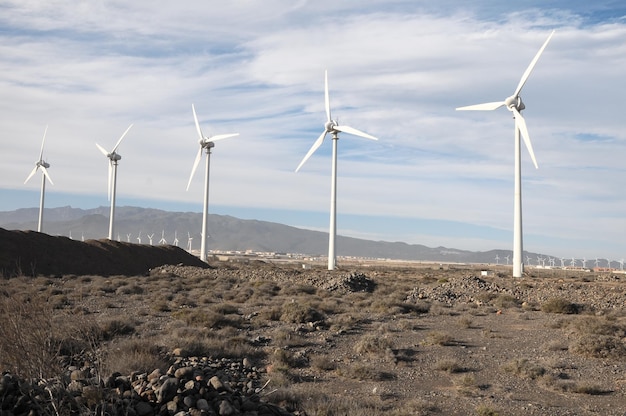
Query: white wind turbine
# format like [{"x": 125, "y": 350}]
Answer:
[
  {"x": 150, "y": 238},
  {"x": 206, "y": 143},
  {"x": 139, "y": 238},
  {"x": 176, "y": 238},
  {"x": 128, "y": 238},
  {"x": 114, "y": 158},
  {"x": 189, "y": 241},
  {"x": 515, "y": 105},
  {"x": 41, "y": 164},
  {"x": 162, "y": 240},
  {"x": 332, "y": 127}
]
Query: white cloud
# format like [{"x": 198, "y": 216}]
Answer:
[{"x": 396, "y": 70}]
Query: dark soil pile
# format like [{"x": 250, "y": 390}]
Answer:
[{"x": 31, "y": 253}]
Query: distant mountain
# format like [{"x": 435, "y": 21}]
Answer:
[{"x": 228, "y": 233}]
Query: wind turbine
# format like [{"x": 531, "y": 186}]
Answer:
[
  {"x": 332, "y": 127},
  {"x": 139, "y": 238},
  {"x": 497, "y": 259},
  {"x": 515, "y": 105},
  {"x": 507, "y": 257},
  {"x": 189, "y": 240},
  {"x": 176, "y": 238},
  {"x": 150, "y": 238},
  {"x": 114, "y": 158},
  {"x": 128, "y": 238},
  {"x": 206, "y": 143},
  {"x": 41, "y": 164},
  {"x": 162, "y": 240}
]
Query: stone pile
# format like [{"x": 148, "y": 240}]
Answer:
[{"x": 190, "y": 387}]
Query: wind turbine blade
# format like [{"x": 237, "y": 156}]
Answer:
[
  {"x": 32, "y": 173},
  {"x": 313, "y": 148},
  {"x": 110, "y": 179},
  {"x": 520, "y": 124},
  {"x": 326, "y": 97},
  {"x": 482, "y": 107},
  {"x": 353, "y": 131},
  {"x": 222, "y": 136},
  {"x": 120, "y": 140},
  {"x": 195, "y": 117},
  {"x": 531, "y": 67},
  {"x": 195, "y": 166},
  {"x": 42, "y": 143},
  {"x": 102, "y": 149},
  {"x": 45, "y": 173}
]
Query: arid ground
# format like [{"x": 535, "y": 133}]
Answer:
[{"x": 366, "y": 339}]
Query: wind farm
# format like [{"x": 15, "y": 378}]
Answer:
[{"x": 415, "y": 185}]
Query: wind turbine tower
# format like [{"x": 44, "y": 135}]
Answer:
[
  {"x": 176, "y": 238},
  {"x": 515, "y": 105},
  {"x": 114, "y": 158},
  {"x": 162, "y": 240},
  {"x": 41, "y": 164},
  {"x": 206, "y": 144},
  {"x": 150, "y": 238},
  {"x": 331, "y": 126}
]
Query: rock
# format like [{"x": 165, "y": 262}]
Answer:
[
  {"x": 203, "y": 405},
  {"x": 144, "y": 409},
  {"x": 184, "y": 373},
  {"x": 216, "y": 383},
  {"x": 168, "y": 390},
  {"x": 226, "y": 409}
]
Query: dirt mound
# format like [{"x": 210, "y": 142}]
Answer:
[{"x": 31, "y": 253}]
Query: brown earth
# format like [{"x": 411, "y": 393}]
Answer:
[{"x": 368, "y": 338}]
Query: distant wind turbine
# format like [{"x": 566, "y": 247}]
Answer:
[
  {"x": 206, "y": 144},
  {"x": 150, "y": 238},
  {"x": 333, "y": 128},
  {"x": 189, "y": 240},
  {"x": 162, "y": 240},
  {"x": 497, "y": 259},
  {"x": 128, "y": 238},
  {"x": 114, "y": 158},
  {"x": 139, "y": 238},
  {"x": 41, "y": 164},
  {"x": 176, "y": 238},
  {"x": 515, "y": 105}
]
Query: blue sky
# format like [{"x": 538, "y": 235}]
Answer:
[{"x": 397, "y": 70}]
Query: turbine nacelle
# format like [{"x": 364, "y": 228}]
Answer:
[
  {"x": 514, "y": 102},
  {"x": 43, "y": 164},
  {"x": 205, "y": 143},
  {"x": 114, "y": 157},
  {"x": 330, "y": 126}
]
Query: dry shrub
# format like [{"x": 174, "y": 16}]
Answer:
[
  {"x": 323, "y": 363},
  {"x": 504, "y": 301},
  {"x": 128, "y": 355},
  {"x": 524, "y": 368},
  {"x": 599, "y": 346},
  {"x": 449, "y": 365},
  {"x": 598, "y": 326},
  {"x": 116, "y": 327},
  {"x": 486, "y": 410},
  {"x": 207, "y": 318},
  {"x": 372, "y": 344},
  {"x": 438, "y": 338},
  {"x": 33, "y": 337},
  {"x": 559, "y": 305},
  {"x": 299, "y": 313},
  {"x": 324, "y": 404},
  {"x": 568, "y": 386},
  {"x": 282, "y": 358}
]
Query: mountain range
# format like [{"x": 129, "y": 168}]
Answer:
[{"x": 228, "y": 233}]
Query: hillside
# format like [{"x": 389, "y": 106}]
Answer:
[
  {"x": 31, "y": 253},
  {"x": 229, "y": 233}
]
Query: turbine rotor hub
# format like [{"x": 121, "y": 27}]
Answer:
[
  {"x": 114, "y": 157},
  {"x": 43, "y": 164},
  {"x": 514, "y": 102},
  {"x": 330, "y": 126},
  {"x": 206, "y": 143}
]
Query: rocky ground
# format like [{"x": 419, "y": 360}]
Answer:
[{"x": 257, "y": 338}]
